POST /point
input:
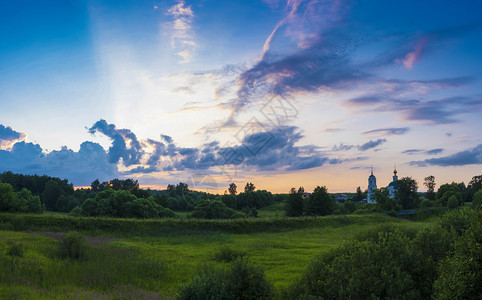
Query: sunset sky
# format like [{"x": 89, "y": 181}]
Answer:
[{"x": 279, "y": 93}]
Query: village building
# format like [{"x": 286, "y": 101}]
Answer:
[{"x": 372, "y": 186}]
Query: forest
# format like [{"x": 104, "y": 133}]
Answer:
[{"x": 186, "y": 244}]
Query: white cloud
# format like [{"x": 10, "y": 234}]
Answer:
[{"x": 182, "y": 39}]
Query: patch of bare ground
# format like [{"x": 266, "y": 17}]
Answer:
[
  {"x": 122, "y": 292},
  {"x": 91, "y": 240}
]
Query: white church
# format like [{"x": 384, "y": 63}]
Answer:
[{"x": 372, "y": 186}]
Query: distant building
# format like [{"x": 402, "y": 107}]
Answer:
[
  {"x": 391, "y": 186},
  {"x": 341, "y": 198},
  {"x": 372, "y": 187}
]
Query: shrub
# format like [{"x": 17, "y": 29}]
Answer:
[
  {"x": 72, "y": 246},
  {"x": 477, "y": 199},
  {"x": 76, "y": 211},
  {"x": 241, "y": 280},
  {"x": 427, "y": 203},
  {"x": 213, "y": 210},
  {"x": 18, "y": 223},
  {"x": 227, "y": 254},
  {"x": 460, "y": 274},
  {"x": 15, "y": 250},
  {"x": 458, "y": 220},
  {"x": 383, "y": 268},
  {"x": 207, "y": 285},
  {"x": 452, "y": 202}
]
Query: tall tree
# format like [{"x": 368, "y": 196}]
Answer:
[
  {"x": 320, "y": 203},
  {"x": 51, "y": 194},
  {"x": 429, "y": 183},
  {"x": 7, "y": 197},
  {"x": 359, "y": 195},
  {"x": 249, "y": 187},
  {"x": 406, "y": 192},
  {"x": 232, "y": 188},
  {"x": 95, "y": 185},
  {"x": 294, "y": 206}
]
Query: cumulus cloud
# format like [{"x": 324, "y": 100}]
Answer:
[
  {"x": 8, "y": 137},
  {"x": 125, "y": 145},
  {"x": 181, "y": 31},
  {"x": 274, "y": 149},
  {"x": 471, "y": 156},
  {"x": 81, "y": 167},
  {"x": 265, "y": 151}
]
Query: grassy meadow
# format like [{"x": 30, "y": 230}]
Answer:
[{"x": 153, "y": 265}]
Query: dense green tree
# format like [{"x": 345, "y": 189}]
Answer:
[
  {"x": 51, "y": 194},
  {"x": 477, "y": 199},
  {"x": 89, "y": 208},
  {"x": 229, "y": 200},
  {"x": 7, "y": 198},
  {"x": 181, "y": 189},
  {"x": 384, "y": 202},
  {"x": 162, "y": 200},
  {"x": 406, "y": 192},
  {"x": 349, "y": 206},
  {"x": 429, "y": 183},
  {"x": 95, "y": 185},
  {"x": 320, "y": 203},
  {"x": 207, "y": 209},
  {"x": 446, "y": 191},
  {"x": 359, "y": 195},
  {"x": 294, "y": 205},
  {"x": 232, "y": 189},
  {"x": 249, "y": 187},
  {"x": 65, "y": 203},
  {"x": 460, "y": 272},
  {"x": 30, "y": 202},
  {"x": 474, "y": 185},
  {"x": 452, "y": 202}
]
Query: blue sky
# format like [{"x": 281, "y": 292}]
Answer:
[{"x": 281, "y": 93}]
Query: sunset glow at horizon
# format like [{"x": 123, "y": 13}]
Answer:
[{"x": 278, "y": 93}]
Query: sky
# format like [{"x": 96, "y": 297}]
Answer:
[{"x": 279, "y": 93}]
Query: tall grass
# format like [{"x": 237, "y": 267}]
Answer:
[{"x": 157, "y": 262}]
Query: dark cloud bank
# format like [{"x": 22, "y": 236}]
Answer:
[
  {"x": 471, "y": 156},
  {"x": 275, "y": 149}
]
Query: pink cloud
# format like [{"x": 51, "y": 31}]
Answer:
[{"x": 412, "y": 57}]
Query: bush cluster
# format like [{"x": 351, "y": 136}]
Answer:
[
  {"x": 442, "y": 260},
  {"x": 240, "y": 280},
  {"x": 122, "y": 203},
  {"x": 72, "y": 246}
]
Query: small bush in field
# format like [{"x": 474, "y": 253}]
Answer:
[
  {"x": 76, "y": 211},
  {"x": 73, "y": 246},
  {"x": 18, "y": 223},
  {"x": 241, "y": 280},
  {"x": 15, "y": 250},
  {"x": 227, "y": 254}
]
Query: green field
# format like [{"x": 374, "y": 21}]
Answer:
[{"x": 153, "y": 265}]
